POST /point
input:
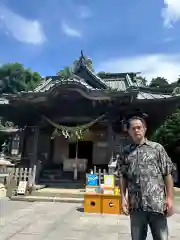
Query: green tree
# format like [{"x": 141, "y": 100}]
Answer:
[
  {"x": 141, "y": 81},
  {"x": 174, "y": 84},
  {"x": 15, "y": 78},
  {"x": 169, "y": 133},
  {"x": 65, "y": 73},
  {"x": 87, "y": 61},
  {"x": 159, "y": 82},
  {"x": 68, "y": 71}
]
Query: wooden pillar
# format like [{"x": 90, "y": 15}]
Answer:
[
  {"x": 34, "y": 156},
  {"x": 22, "y": 134},
  {"x": 110, "y": 141}
]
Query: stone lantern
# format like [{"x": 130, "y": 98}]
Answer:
[
  {"x": 112, "y": 164},
  {"x": 5, "y": 168}
]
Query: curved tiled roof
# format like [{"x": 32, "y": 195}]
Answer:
[
  {"x": 148, "y": 95},
  {"x": 96, "y": 85},
  {"x": 50, "y": 83}
]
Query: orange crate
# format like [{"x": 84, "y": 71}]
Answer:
[
  {"x": 111, "y": 204},
  {"x": 92, "y": 203}
]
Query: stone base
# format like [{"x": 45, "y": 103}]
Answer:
[{"x": 2, "y": 191}]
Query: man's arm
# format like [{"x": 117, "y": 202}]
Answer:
[
  {"x": 168, "y": 180},
  {"x": 167, "y": 167},
  {"x": 122, "y": 169},
  {"x": 123, "y": 186}
]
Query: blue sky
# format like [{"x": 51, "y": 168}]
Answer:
[{"x": 118, "y": 35}]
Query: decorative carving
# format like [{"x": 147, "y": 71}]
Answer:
[{"x": 176, "y": 91}]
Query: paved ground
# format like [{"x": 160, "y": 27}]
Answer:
[{"x": 36, "y": 221}]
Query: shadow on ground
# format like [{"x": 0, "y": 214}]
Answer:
[{"x": 80, "y": 209}]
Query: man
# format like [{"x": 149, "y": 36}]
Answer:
[{"x": 145, "y": 170}]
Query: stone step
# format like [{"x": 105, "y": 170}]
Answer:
[
  {"x": 61, "y": 185},
  {"x": 61, "y": 173},
  {"x": 46, "y": 199},
  {"x": 52, "y": 173},
  {"x": 50, "y": 177},
  {"x": 50, "y": 194},
  {"x": 65, "y": 175},
  {"x": 57, "y": 194},
  {"x": 69, "y": 181}
]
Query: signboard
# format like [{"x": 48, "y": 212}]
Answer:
[
  {"x": 22, "y": 187},
  {"x": 70, "y": 164},
  {"x": 109, "y": 181},
  {"x": 92, "y": 180}
]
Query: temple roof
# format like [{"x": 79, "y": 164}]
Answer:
[
  {"x": 91, "y": 92},
  {"x": 142, "y": 94},
  {"x": 51, "y": 81},
  {"x": 119, "y": 84},
  {"x": 91, "y": 85}
]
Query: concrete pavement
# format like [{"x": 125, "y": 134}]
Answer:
[{"x": 65, "y": 221}]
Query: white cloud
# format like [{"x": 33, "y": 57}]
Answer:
[
  {"x": 84, "y": 12},
  {"x": 69, "y": 31},
  {"x": 23, "y": 30},
  {"x": 171, "y": 12},
  {"x": 150, "y": 66}
]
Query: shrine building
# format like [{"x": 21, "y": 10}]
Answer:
[{"x": 80, "y": 122}]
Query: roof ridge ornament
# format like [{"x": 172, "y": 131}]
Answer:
[
  {"x": 82, "y": 54},
  {"x": 176, "y": 91}
]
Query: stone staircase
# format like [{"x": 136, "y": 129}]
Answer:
[
  {"x": 53, "y": 195},
  {"x": 57, "y": 187},
  {"x": 59, "y": 179}
]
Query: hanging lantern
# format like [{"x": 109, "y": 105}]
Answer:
[
  {"x": 124, "y": 126},
  {"x": 15, "y": 145}
]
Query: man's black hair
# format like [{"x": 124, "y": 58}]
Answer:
[{"x": 135, "y": 118}]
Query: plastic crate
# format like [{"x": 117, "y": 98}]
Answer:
[
  {"x": 111, "y": 204},
  {"x": 92, "y": 203}
]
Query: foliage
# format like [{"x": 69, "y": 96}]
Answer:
[
  {"x": 15, "y": 78},
  {"x": 102, "y": 73},
  {"x": 65, "y": 73},
  {"x": 174, "y": 84},
  {"x": 158, "y": 82},
  {"x": 68, "y": 71},
  {"x": 87, "y": 61},
  {"x": 141, "y": 81},
  {"x": 169, "y": 133}
]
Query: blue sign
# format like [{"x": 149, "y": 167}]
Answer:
[{"x": 92, "y": 180}]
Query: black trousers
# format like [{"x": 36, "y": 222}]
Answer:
[{"x": 156, "y": 221}]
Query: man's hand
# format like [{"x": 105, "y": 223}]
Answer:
[
  {"x": 169, "y": 207},
  {"x": 124, "y": 206}
]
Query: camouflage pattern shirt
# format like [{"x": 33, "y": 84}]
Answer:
[{"x": 145, "y": 166}]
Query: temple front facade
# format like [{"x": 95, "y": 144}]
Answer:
[{"x": 68, "y": 126}]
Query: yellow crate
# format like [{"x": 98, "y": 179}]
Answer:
[
  {"x": 111, "y": 204},
  {"x": 92, "y": 203}
]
